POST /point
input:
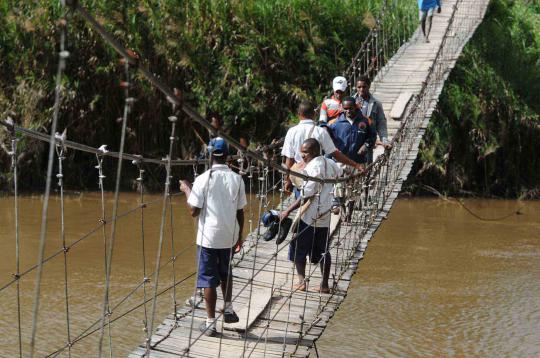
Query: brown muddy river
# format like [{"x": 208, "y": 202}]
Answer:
[{"x": 435, "y": 281}]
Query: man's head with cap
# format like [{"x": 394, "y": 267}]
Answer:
[
  {"x": 219, "y": 149},
  {"x": 339, "y": 86}
]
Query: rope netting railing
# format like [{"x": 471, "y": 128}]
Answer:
[{"x": 366, "y": 194}]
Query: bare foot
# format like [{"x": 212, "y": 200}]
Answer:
[
  {"x": 323, "y": 290},
  {"x": 300, "y": 287}
]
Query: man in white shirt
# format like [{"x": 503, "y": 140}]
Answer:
[
  {"x": 217, "y": 198},
  {"x": 305, "y": 129},
  {"x": 311, "y": 237}
]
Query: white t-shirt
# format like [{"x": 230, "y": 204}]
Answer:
[
  {"x": 323, "y": 203},
  {"x": 219, "y": 193},
  {"x": 299, "y": 133}
]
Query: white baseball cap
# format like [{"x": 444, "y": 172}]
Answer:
[{"x": 339, "y": 84}]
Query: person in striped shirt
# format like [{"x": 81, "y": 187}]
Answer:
[{"x": 331, "y": 107}]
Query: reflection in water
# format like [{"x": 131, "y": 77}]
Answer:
[{"x": 435, "y": 281}]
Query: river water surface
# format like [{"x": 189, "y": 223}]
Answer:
[{"x": 435, "y": 281}]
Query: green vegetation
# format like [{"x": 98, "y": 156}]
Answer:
[
  {"x": 485, "y": 136},
  {"x": 249, "y": 60}
]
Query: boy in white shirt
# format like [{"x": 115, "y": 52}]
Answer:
[{"x": 311, "y": 237}]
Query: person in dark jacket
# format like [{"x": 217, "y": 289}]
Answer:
[
  {"x": 371, "y": 108},
  {"x": 353, "y": 134}
]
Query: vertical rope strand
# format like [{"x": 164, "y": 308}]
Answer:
[
  {"x": 261, "y": 196},
  {"x": 13, "y": 155},
  {"x": 128, "y": 102},
  {"x": 166, "y": 197},
  {"x": 60, "y": 149},
  {"x": 62, "y": 56},
  {"x": 204, "y": 211},
  {"x": 103, "y": 221},
  {"x": 274, "y": 269},
  {"x": 140, "y": 183},
  {"x": 171, "y": 223}
]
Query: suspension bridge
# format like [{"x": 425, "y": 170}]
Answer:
[{"x": 276, "y": 320}]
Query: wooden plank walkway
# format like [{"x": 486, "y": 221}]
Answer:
[{"x": 275, "y": 320}]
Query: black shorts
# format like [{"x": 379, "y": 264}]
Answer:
[{"x": 310, "y": 241}]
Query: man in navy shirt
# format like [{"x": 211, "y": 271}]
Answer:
[{"x": 353, "y": 134}]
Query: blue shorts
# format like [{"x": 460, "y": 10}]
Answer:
[
  {"x": 425, "y": 13},
  {"x": 213, "y": 266},
  {"x": 311, "y": 242},
  {"x": 296, "y": 192}
]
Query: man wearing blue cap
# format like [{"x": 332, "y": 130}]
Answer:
[{"x": 217, "y": 198}]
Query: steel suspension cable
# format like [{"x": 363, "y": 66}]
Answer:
[{"x": 62, "y": 56}]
